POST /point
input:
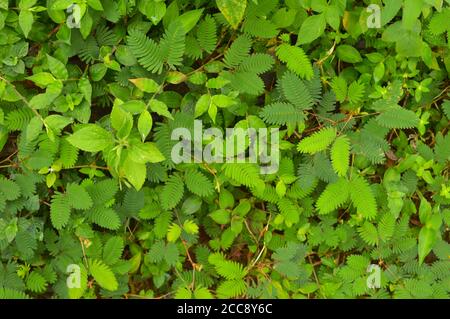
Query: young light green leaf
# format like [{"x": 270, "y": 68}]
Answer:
[
  {"x": 91, "y": 138},
  {"x": 145, "y": 123},
  {"x": 146, "y": 85},
  {"x": 317, "y": 142},
  {"x": 26, "y": 20},
  {"x": 135, "y": 173},
  {"x": 145, "y": 152},
  {"x": 202, "y": 105},
  {"x": 340, "y": 155},
  {"x": 103, "y": 275},
  {"x": 232, "y": 10}
]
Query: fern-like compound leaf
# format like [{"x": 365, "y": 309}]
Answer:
[
  {"x": 103, "y": 275},
  {"x": 146, "y": 51},
  {"x": 238, "y": 51},
  {"x": 172, "y": 192},
  {"x": 257, "y": 63},
  {"x": 78, "y": 197},
  {"x": 368, "y": 233},
  {"x": 105, "y": 217},
  {"x": 398, "y": 117},
  {"x": 317, "y": 142},
  {"x": 244, "y": 173},
  {"x": 363, "y": 198},
  {"x": 295, "y": 91},
  {"x": 198, "y": 183},
  {"x": 113, "y": 250},
  {"x": 334, "y": 195},
  {"x": 172, "y": 44},
  {"x": 207, "y": 34},
  {"x": 340, "y": 155},
  {"x": 296, "y": 60},
  {"x": 281, "y": 113},
  {"x": 59, "y": 211}
]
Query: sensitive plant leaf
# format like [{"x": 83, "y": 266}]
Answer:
[
  {"x": 363, "y": 198},
  {"x": 318, "y": 141},
  {"x": 103, "y": 275},
  {"x": 296, "y": 60},
  {"x": 334, "y": 195},
  {"x": 340, "y": 155}
]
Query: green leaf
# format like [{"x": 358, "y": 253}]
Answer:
[
  {"x": 411, "y": 11},
  {"x": 160, "y": 108},
  {"x": 172, "y": 192},
  {"x": 202, "y": 293},
  {"x": 34, "y": 128},
  {"x": 57, "y": 68},
  {"x": 340, "y": 155},
  {"x": 153, "y": 10},
  {"x": 221, "y": 216},
  {"x": 78, "y": 197},
  {"x": 134, "y": 106},
  {"x": 232, "y": 10},
  {"x": 334, "y": 195},
  {"x": 222, "y": 101},
  {"x": 59, "y": 211},
  {"x": 42, "y": 79},
  {"x": 121, "y": 121},
  {"x": 61, "y": 4},
  {"x": 296, "y": 60},
  {"x": 202, "y": 105},
  {"x": 349, "y": 54},
  {"x": 427, "y": 239},
  {"x": 26, "y": 4},
  {"x": 312, "y": 28},
  {"x": 146, "y": 85},
  {"x": 198, "y": 183},
  {"x": 145, "y": 123},
  {"x": 85, "y": 88},
  {"x": 363, "y": 198},
  {"x": 145, "y": 152},
  {"x": 398, "y": 117},
  {"x": 91, "y": 138},
  {"x": 189, "y": 19},
  {"x": 113, "y": 250},
  {"x": 95, "y": 4},
  {"x": 174, "y": 233},
  {"x": 103, "y": 275},
  {"x": 105, "y": 217},
  {"x": 317, "y": 142},
  {"x": 390, "y": 10},
  {"x": 98, "y": 71},
  {"x": 135, "y": 172},
  {"x": 26, "y": 20},
  {"x": 190, "y": 227},
  {"x": 368, "y": 233}
]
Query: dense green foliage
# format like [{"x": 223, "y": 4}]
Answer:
[{"x": 86, "y": 114}]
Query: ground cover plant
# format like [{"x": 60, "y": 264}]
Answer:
[{"x": 92, "y": 204}]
